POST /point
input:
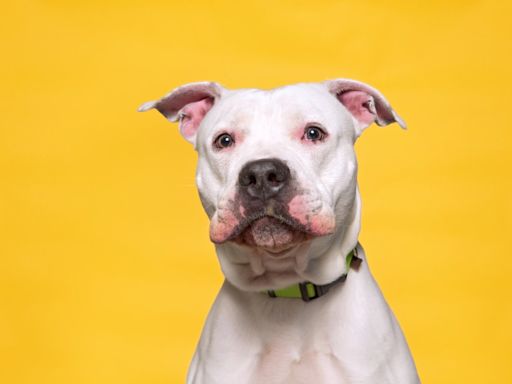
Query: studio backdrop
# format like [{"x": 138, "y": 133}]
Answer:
[{"x": 106, "y": 269}]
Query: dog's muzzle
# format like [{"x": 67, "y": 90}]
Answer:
[
  {"x": 264, "y": 186},
  {"x": 269, "y": 210}
]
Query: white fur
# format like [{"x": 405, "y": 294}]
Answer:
[{"x": 347, "y": 336}]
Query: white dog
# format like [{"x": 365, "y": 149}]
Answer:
[{"x": 277, "y": 177}]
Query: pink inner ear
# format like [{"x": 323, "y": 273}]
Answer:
[
  {"x": 357, "y": 102},
  {"x": 192, "y": 115}
]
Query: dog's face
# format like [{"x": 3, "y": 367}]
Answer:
[{"x": 276, "y": 171}]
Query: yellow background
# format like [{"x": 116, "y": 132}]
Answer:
[{"x": 106, "y": 271}]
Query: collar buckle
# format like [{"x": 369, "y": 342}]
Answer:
[{"x": 304, "y": 292}]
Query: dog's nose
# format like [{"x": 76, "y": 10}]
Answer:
[{"x": 263, "y": 179}]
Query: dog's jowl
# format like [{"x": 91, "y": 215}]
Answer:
[{"x": 277, "y": 176}]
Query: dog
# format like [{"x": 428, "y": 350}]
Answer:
[{"x": 277, "y": 177}]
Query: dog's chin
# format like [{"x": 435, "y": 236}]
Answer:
[{"x": 272, "y": 235}]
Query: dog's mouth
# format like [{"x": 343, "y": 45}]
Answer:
[
  {"x": 273, "y": 234},
  {"x": 273, "y": 226}
]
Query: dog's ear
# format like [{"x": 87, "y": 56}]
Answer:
[
  {"x": 187, "y": 104},
  {"x": 365, "y": 103}
]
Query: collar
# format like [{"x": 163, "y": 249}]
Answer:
[{"x": 308, "y": 291}]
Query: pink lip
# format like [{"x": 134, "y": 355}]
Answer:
[{"x": 272, "y": 235}]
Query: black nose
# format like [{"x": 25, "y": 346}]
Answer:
[{"x": 262, "y": 179}]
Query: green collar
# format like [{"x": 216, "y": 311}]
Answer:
[{"x": 308, "y": 291}]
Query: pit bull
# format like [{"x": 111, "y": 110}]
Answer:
[{"x": 277, "y": 177}]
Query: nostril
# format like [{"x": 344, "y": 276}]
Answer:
[
  {"x": 247, "y": 178},
  {"x": 272, "y": 178}
]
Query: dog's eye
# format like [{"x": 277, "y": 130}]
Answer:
[
  {"x": 313, "y": 133},
  {"x": 223, "y": 141}
]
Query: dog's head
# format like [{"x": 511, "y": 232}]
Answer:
[{"x": 277, "y": 173}]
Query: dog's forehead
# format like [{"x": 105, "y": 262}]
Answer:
[
  {"x": 303, "y": 94},
  {"x": 289, "y": 103},
  {"x": 300, "y": 97}
]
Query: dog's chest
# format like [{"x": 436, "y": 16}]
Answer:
[{"x": 280, "y": 364}]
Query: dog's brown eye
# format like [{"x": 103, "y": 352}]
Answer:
[
  {"x": 313, "y": 133},
  {"x": 223, "y": 141}
]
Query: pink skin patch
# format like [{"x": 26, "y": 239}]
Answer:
[
  {"x": 297, "y": 208},
  {"x": 298, "y": 133},
  {"x": 309, "y": 214},
  {"x": 192, "y": 115},
  {"x": 224, "y": 222},
  {"x": 222, "y": 225},
  {"x": 360, "y": 105},
  {"x": 322, "y": 225},
  {"x": 226, "y": 219}
]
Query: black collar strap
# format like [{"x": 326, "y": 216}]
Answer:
[{"x": 308, "y": 291}]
